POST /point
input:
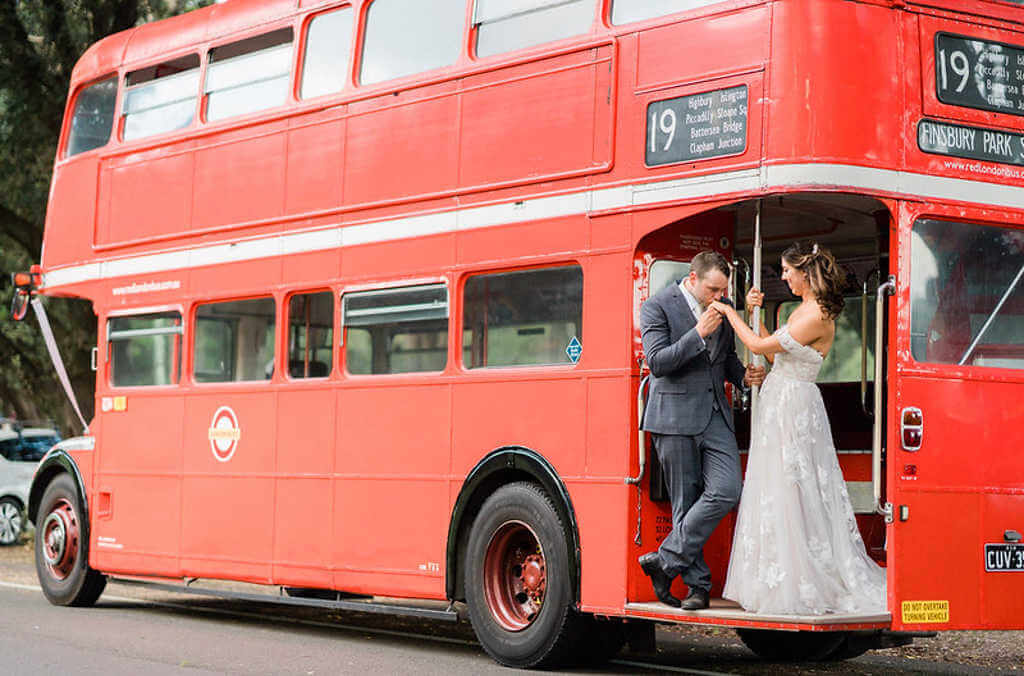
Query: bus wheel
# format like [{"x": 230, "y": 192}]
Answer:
[
  {"x": 62, "y": 553},
  {"x": 518, "y": 586},
  {"x": 11, "y": 521},
  {"x": 792, "y": 646}
]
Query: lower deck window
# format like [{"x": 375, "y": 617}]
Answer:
[
  {"x": 523, "y": 317},
  {"x": 310, "y": 334},
  {"x": 843, "y": 362},
  {"x": 967, "y": 294},
  {"x": 402, "y": 330},
  {"x": 234, "y": 341},
  {"x": 145, "y": 349}
]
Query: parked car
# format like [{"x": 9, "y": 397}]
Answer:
[{"x": 21, "y": 449}]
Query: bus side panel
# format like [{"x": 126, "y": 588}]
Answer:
[
  {"x": 547, "y": 416},
  {"x": 396, "y": 148},
  {"x": 239, "y": 177},
  {"x": 136, "y": 501},
  {"x": 391, "y": 503},
  {"x": 228, "y": 505},
  {"x": 519, "y": 113},
  {"x": 70, "y": 220},
  {"x": 829, "y": 121},
  {"x": 306, "y": 432},
  {"x": 148, "y": 194},
  {"x": 316, "y": 146},
  {"x": 961, "y": 491},
  {"x": 605, "y": 530}
]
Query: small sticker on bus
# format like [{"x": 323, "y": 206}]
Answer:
[{"x": 925, "y": 612}]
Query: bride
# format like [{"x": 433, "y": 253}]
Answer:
[{"x": 797, "y": 549}]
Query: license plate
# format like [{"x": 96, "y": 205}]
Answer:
[{"x": 1000, "y": 557}]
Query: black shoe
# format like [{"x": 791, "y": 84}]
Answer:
[
  {"x": 651, "y": 565},
  {"x": 697, "y": 599}
]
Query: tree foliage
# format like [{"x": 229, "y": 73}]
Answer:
[{"x": 40, "y": 41}]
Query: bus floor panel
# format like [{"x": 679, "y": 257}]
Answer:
[{"x": 728, "y": 613}]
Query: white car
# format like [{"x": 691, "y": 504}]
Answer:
[{"x": 21, "y": 449}]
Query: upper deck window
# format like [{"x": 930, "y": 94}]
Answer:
[
  {"x": 161, "y": 98},
  {"x": 628, "y": 11},
  {"x": 506, "y": 25},
  {"x": 93, "y": 117},
  {"x": 249, "y": 75},
  {"x": 967, "y": 294},
  {"x": 328, "y": 45},
  {"x": 404, "y": 38}
]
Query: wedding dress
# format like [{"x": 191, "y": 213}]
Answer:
[{"x": 797, "y": 549}]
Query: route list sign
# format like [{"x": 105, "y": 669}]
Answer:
[
  {"x": 979, "y": 74},
  {"x": 697, "y": 127}
]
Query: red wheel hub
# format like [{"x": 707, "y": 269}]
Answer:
[
  {"x": 515, "y": 576},
  {"x": 60, "y": 534}
]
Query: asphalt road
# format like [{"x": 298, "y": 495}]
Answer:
[{"x": 139, "y": 631}]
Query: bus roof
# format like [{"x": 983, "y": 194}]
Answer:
[{"x": 148, "y": 41}]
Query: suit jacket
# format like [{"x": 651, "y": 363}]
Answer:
[{"x": 685, "y": 379}]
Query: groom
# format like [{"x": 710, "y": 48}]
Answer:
[{"x": 691, "y": 353}]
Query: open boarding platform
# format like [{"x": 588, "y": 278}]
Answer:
[{"x": 729, "y": 614}]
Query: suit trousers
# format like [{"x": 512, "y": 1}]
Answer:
[{"x": 704, "y": 483}]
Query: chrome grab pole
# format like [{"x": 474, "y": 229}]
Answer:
[
  {"x": 864, "y": 342},
  {"x": 885, "y": 290},
  {"x": 641, "y": 403},
  {"x": 755, "y": 316}
]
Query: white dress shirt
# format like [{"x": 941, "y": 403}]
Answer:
[{"x": 695, "y": 306}]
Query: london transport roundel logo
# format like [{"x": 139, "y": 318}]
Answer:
[{"x": 224, "y": 434}]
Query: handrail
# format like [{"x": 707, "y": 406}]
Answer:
[
  {"x": 641, "y": 437},
  {"x": 864, "y": 341},
  {"x": 886, "y": 289}
]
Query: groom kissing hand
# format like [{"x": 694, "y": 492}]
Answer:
[{"x": 692, "y": 354}]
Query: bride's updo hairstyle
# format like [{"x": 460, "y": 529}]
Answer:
[{"x": 826, "y": 278}]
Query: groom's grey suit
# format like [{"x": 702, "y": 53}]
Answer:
[{"x": 692, "y": 427}]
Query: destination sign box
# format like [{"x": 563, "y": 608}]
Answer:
[
  {"x": 697, "y": 127},
  {"x": 976, "y": 143},
  {"x": 979, "y": 74}
]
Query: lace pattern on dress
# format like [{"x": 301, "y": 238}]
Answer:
[{"x": 797, "y": 548}]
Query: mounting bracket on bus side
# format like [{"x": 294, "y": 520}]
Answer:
[{"x": 26, "y": 284}]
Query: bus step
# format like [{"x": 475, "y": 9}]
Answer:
[
  {"x": 368, "y": 606},
  {"x": 729, "y": 614}
]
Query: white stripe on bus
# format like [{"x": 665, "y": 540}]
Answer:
[{"x": 773, "y": 177}]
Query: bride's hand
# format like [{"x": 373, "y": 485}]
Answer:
[
  {"x": 722, "y": 308},
  {"x": 755, "y": 298}
]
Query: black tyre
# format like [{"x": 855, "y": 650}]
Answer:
[
  {"x": 853, "y": 645},
  {"x": 62, "y": 547},
  {"x": 12, "y": 521},
  {"x": 518, "y": 581},
  {"x": 792, "y": 646}
]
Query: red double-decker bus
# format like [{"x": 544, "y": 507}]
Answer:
[{"x": 367, "y": 276}]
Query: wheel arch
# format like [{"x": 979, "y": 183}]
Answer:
[
  {"x": 56, "y": 462},
  {"x": 500, "y": 467}
]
